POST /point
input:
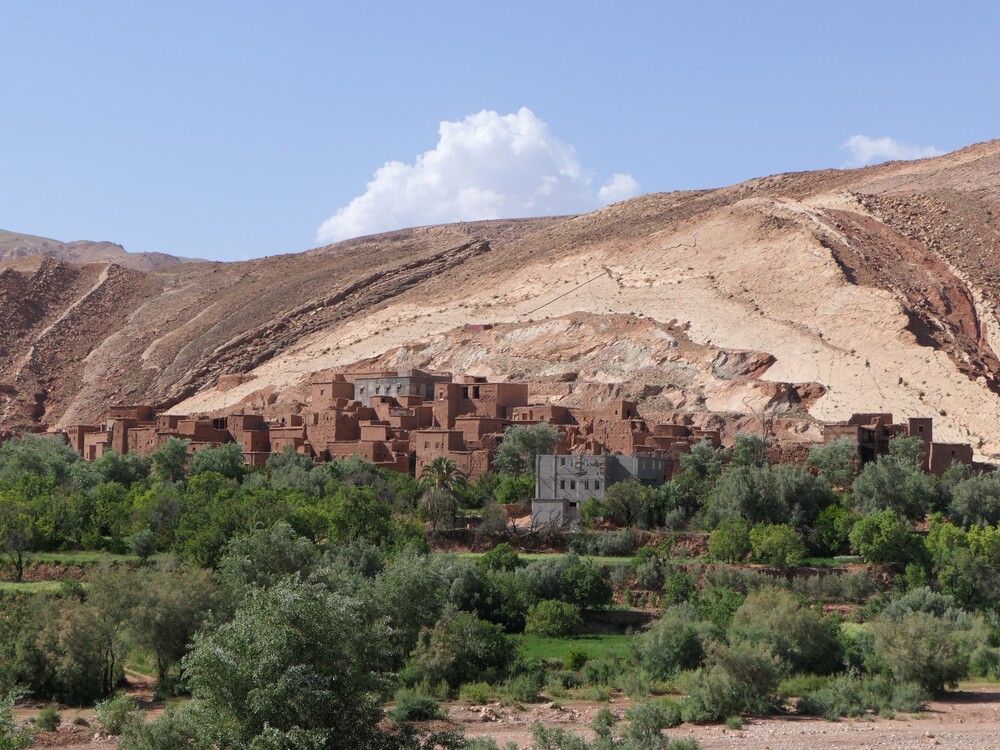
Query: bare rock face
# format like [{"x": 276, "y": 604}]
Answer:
[
  {"x": 816, "y": 294},
  {"x": 15, "y": 247}
]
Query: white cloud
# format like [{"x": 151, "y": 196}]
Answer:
[
  {"x": 618, "y": 188},
  {"x": 864, "y": 150},
  {"x": 487, "y": 166}
]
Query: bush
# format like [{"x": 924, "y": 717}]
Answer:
[
  {"x": 174, "y": 729},
  {"x": 648, "y": 720},
  {"x": 603, "y": 671},
  {"x": 730, "y": 542},
  {"x": 115, "y": 714},
  {"x": 797, "y": 635},
  {"x": 678, "y": 588},
  {"x": 673, "y": 643},
  {"x": 460, "y": 647},
  {"x": 718, "y": 604},
  {"x": 523, "y": 688},
  {"x": 884, "y": 538},
  {"x": 922, "y": 648},
  {"x": 553, "y": 618},
  {"x": 476, "y": 693},
  {"x": 584, "y": 585},
  {"x": 12, "y": 735},
  {"x": 778, "y": 545},
  {"x": 414, "y": 706},
  {"x": 736, "y": 681},
  {"x": 576, "y": 657},
  {"x": 854, "y": 697},
  {"x": 603, "y": 543},
  {"x": 48, "y": 720},
  {"x": 143, "y": 544},
  {"x": 501, "y": 557}
]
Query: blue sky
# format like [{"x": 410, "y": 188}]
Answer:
[{"x": 229, "y": 130}]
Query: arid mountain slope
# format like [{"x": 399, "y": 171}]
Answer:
[
  {"x": 863, "y": 290},
  {"x": 16, "y": 246}
]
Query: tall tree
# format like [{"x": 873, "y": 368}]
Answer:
[
  {"x": 297, "y": 666},
  {"x": 521, "y": 445}
]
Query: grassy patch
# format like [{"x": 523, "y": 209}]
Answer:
[
  {"x": 596, "y": 646},
  {"x": 30, "y": 587},
  {"x": 79, "y": 557}
]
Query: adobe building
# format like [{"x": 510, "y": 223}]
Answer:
[
  {"x": 873, "y": 432},
  {"x": 563, "y": 482},
  {"x": 403, "y": 383}
]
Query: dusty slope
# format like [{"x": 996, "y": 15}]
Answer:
[
  {"x": 879, "y": 284},
  {"x": 16, "y": 246}
]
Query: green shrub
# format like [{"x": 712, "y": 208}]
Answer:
[
  {"x": 734, "y": 722},
  {"x": 576, "y": 657},
  {"x": 796, "y": 634},
  {"x": 459, "y": 647},
  {"x": 501, "y": 557},
  {"x": 117, "y": 713},
  {"x": 522, "y": 688},
  {"x": 884, "y": 538},
  {"x": 602, "y": 671},
  {"x": 648, "y": 720},
  {"x": 730, "y": 542},
  {"x": 603, "y": 543},
  {"x": 48, "y": 720},
  {"x": 553, "y": 618},
  {"x": 678, "y": 588},
  {"x": 854, "y": 697},
  {"x": 802, "y": 684},
  {"x": 476, "y": 693},
  {"x": 736, "y": 681},
  {"x": 778, "y": 545},
  {"x": 174, "y": 729},
  {"x": 718, "y": 605},
  {"x": 674, "y": 643},
  {"x": 414, "y": 706},
  {"x": 584, "y": 585},
  {"x": 922, "y": 648}
]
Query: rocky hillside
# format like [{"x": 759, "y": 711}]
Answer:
[
  {"x": 819, "y": 294},
  {"x": 14, "y": 247}
]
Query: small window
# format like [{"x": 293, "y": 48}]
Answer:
[
  {"x": 378, "y": 389},
  {"x": 475, "y": 391},
  {"x": 562, "y": 484},
  {"x": 586, "y": 484},
  {"x": 920, "y": 428},
  {"x": 572, "y": 485},
  {"x": 427, "y": 444},
  {"x": 562, "y": 461},
  {"x": 597, "y": 484},
  {"x": 465, "y": 392}
]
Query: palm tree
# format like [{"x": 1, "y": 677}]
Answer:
[{"x": 443, "y": 473}]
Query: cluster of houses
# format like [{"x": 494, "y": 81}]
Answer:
[{"x": 402, "y": 421}]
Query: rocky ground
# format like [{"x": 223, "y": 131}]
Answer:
[
  {"x": 965, "y": 720},
  {"x": 968, "y": 720}
]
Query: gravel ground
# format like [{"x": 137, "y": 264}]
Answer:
[{"x": 968, "y": 720}]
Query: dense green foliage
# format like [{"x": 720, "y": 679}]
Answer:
[{"x": 291, "y": 602}]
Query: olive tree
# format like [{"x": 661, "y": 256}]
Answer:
[{"x": 297, "y": 666}]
